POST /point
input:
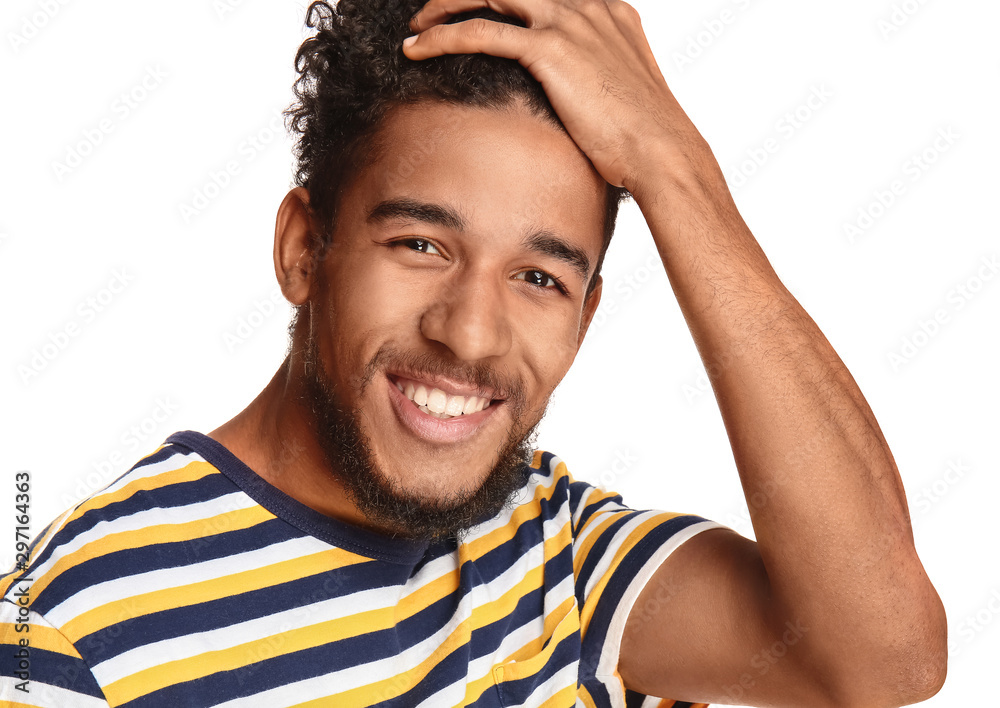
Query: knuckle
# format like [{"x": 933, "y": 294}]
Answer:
[
  {"x": 625, "y": 12},
  {"x": 480, "y": 28}
]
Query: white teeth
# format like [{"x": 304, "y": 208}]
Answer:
[
  {"x": 439, "y": 404},
  {"x": 437, "y": 400},
  {"x": 455, "y": 405}
]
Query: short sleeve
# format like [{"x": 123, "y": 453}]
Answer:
[
  {"x": 39, "y": 666},
  {"x": 615, "y": 552}
]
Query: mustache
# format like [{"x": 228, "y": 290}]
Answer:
[{"x": 427, "y": 364}]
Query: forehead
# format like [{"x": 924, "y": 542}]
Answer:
[{"x": 507, "y": 171}]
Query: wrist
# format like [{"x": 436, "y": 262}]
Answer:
[{"x": 679, "y": 168}]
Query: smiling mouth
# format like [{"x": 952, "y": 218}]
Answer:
[{"x": 440, "y": 404}]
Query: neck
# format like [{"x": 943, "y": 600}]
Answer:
[{"x": 273, "y": 437}]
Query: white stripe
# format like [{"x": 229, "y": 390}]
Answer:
[
  {"x": 614, "y": 546},
  {"x": 357, "y": 676},
  {"x": 375, "y": 671},
  {"x": 257, "y": 629},
  {"x": 120, "y": 589},
  {"x": 143, "y": 519},
  {"x": 141, "y": 473},
  {"x": 273, "y": 627},
  {"x": 566, "y": 676},
  {"x": 608, "y": 662},
  {"x": 45, "y": 695}
]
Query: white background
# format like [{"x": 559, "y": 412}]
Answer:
[{"x": 171, "y": 344}]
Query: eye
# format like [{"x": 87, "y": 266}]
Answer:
[
  {"x": 419, "y": 245},
  {"x": 539, "y": 278}
]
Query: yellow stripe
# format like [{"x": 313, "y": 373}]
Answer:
[
  {"x": 188, "y": 473},
  {"x": 206, "y": 590},
  {"x": 43, "y": 541},
  {"x": 476, "y": 688},
  {"x": 561, "y": 698},
  {"x": 601, "y": 522},
  {"x": 533, "y": 649},
  {"x": 190, "y": 668},
  {"x": 397, "y": 685},
  {"x": 583, "y": 695},
  {"x": 127, "y": 539},
  {"x": 67, "y": 516},
  {"x": 630, "y": 541},
  {"x": 39, "y": 637}
]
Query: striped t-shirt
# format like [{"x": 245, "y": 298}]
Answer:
[{"x": 191, "y": 581}]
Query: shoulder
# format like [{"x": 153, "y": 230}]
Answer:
[{"x": 87, "y": 543}]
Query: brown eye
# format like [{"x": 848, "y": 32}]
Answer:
[
  {"x": 420, "y": 245},
  {"x": 537, "y": 277}
]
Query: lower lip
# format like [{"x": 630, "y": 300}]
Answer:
[{"x": 427, "y": 427}]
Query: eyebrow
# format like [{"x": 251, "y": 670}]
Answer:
[
  {"x": 544, "y": 242},
  {"x": 551, "y": 245},
  {"x": 418, "y": 211}
]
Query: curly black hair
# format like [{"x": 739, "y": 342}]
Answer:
[{"x": 353, "y": 71}]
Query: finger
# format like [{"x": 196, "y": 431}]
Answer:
[
  {"x": 476, "y": 36},
  {"x": 437, "y": 12}
]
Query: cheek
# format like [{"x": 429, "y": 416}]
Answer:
[{"x": 550, "y": 346}]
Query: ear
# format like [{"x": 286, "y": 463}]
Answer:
[
  {"x": 294, "y": 261},
  {"x": 589, "y": 308}
]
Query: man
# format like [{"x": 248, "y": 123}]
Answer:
[{"x": 374, "y": 529}]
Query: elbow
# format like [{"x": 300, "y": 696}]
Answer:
[{"x": 908, "y": 670}]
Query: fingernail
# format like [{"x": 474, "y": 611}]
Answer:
[{"x": 408, "y": 42}]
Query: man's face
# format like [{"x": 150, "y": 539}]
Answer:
[{"x": 450, "y": 304}]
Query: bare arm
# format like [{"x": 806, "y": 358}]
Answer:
[{"x": 834, "y": 563}]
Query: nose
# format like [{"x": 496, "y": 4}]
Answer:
[{"x": 469, "y": 316}]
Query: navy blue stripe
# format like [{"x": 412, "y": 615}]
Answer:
[
  {"x": 633, "y": 699},
  {"x": 133, "y": 632},
  {"x": 597, "y": 551},
  {"x": 593, "y": 507},
  {"x": 487, "y": 639},
  {"x": 52, "y": 668},
  {"x": 526, "y": 539},
  {"x": 451, "y": 669},
  {"x": 169, "y": 496},
  {"x": 627, "y": 569},
  {"x": 314, "y": 523},
  {"x": 565, "y": 653},
  {"x": 156, "y": 556}
]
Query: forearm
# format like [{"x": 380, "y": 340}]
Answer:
[{"x": 826, "y": 500}]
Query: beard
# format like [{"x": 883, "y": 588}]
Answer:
[{"x": 382, "y": 499}]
